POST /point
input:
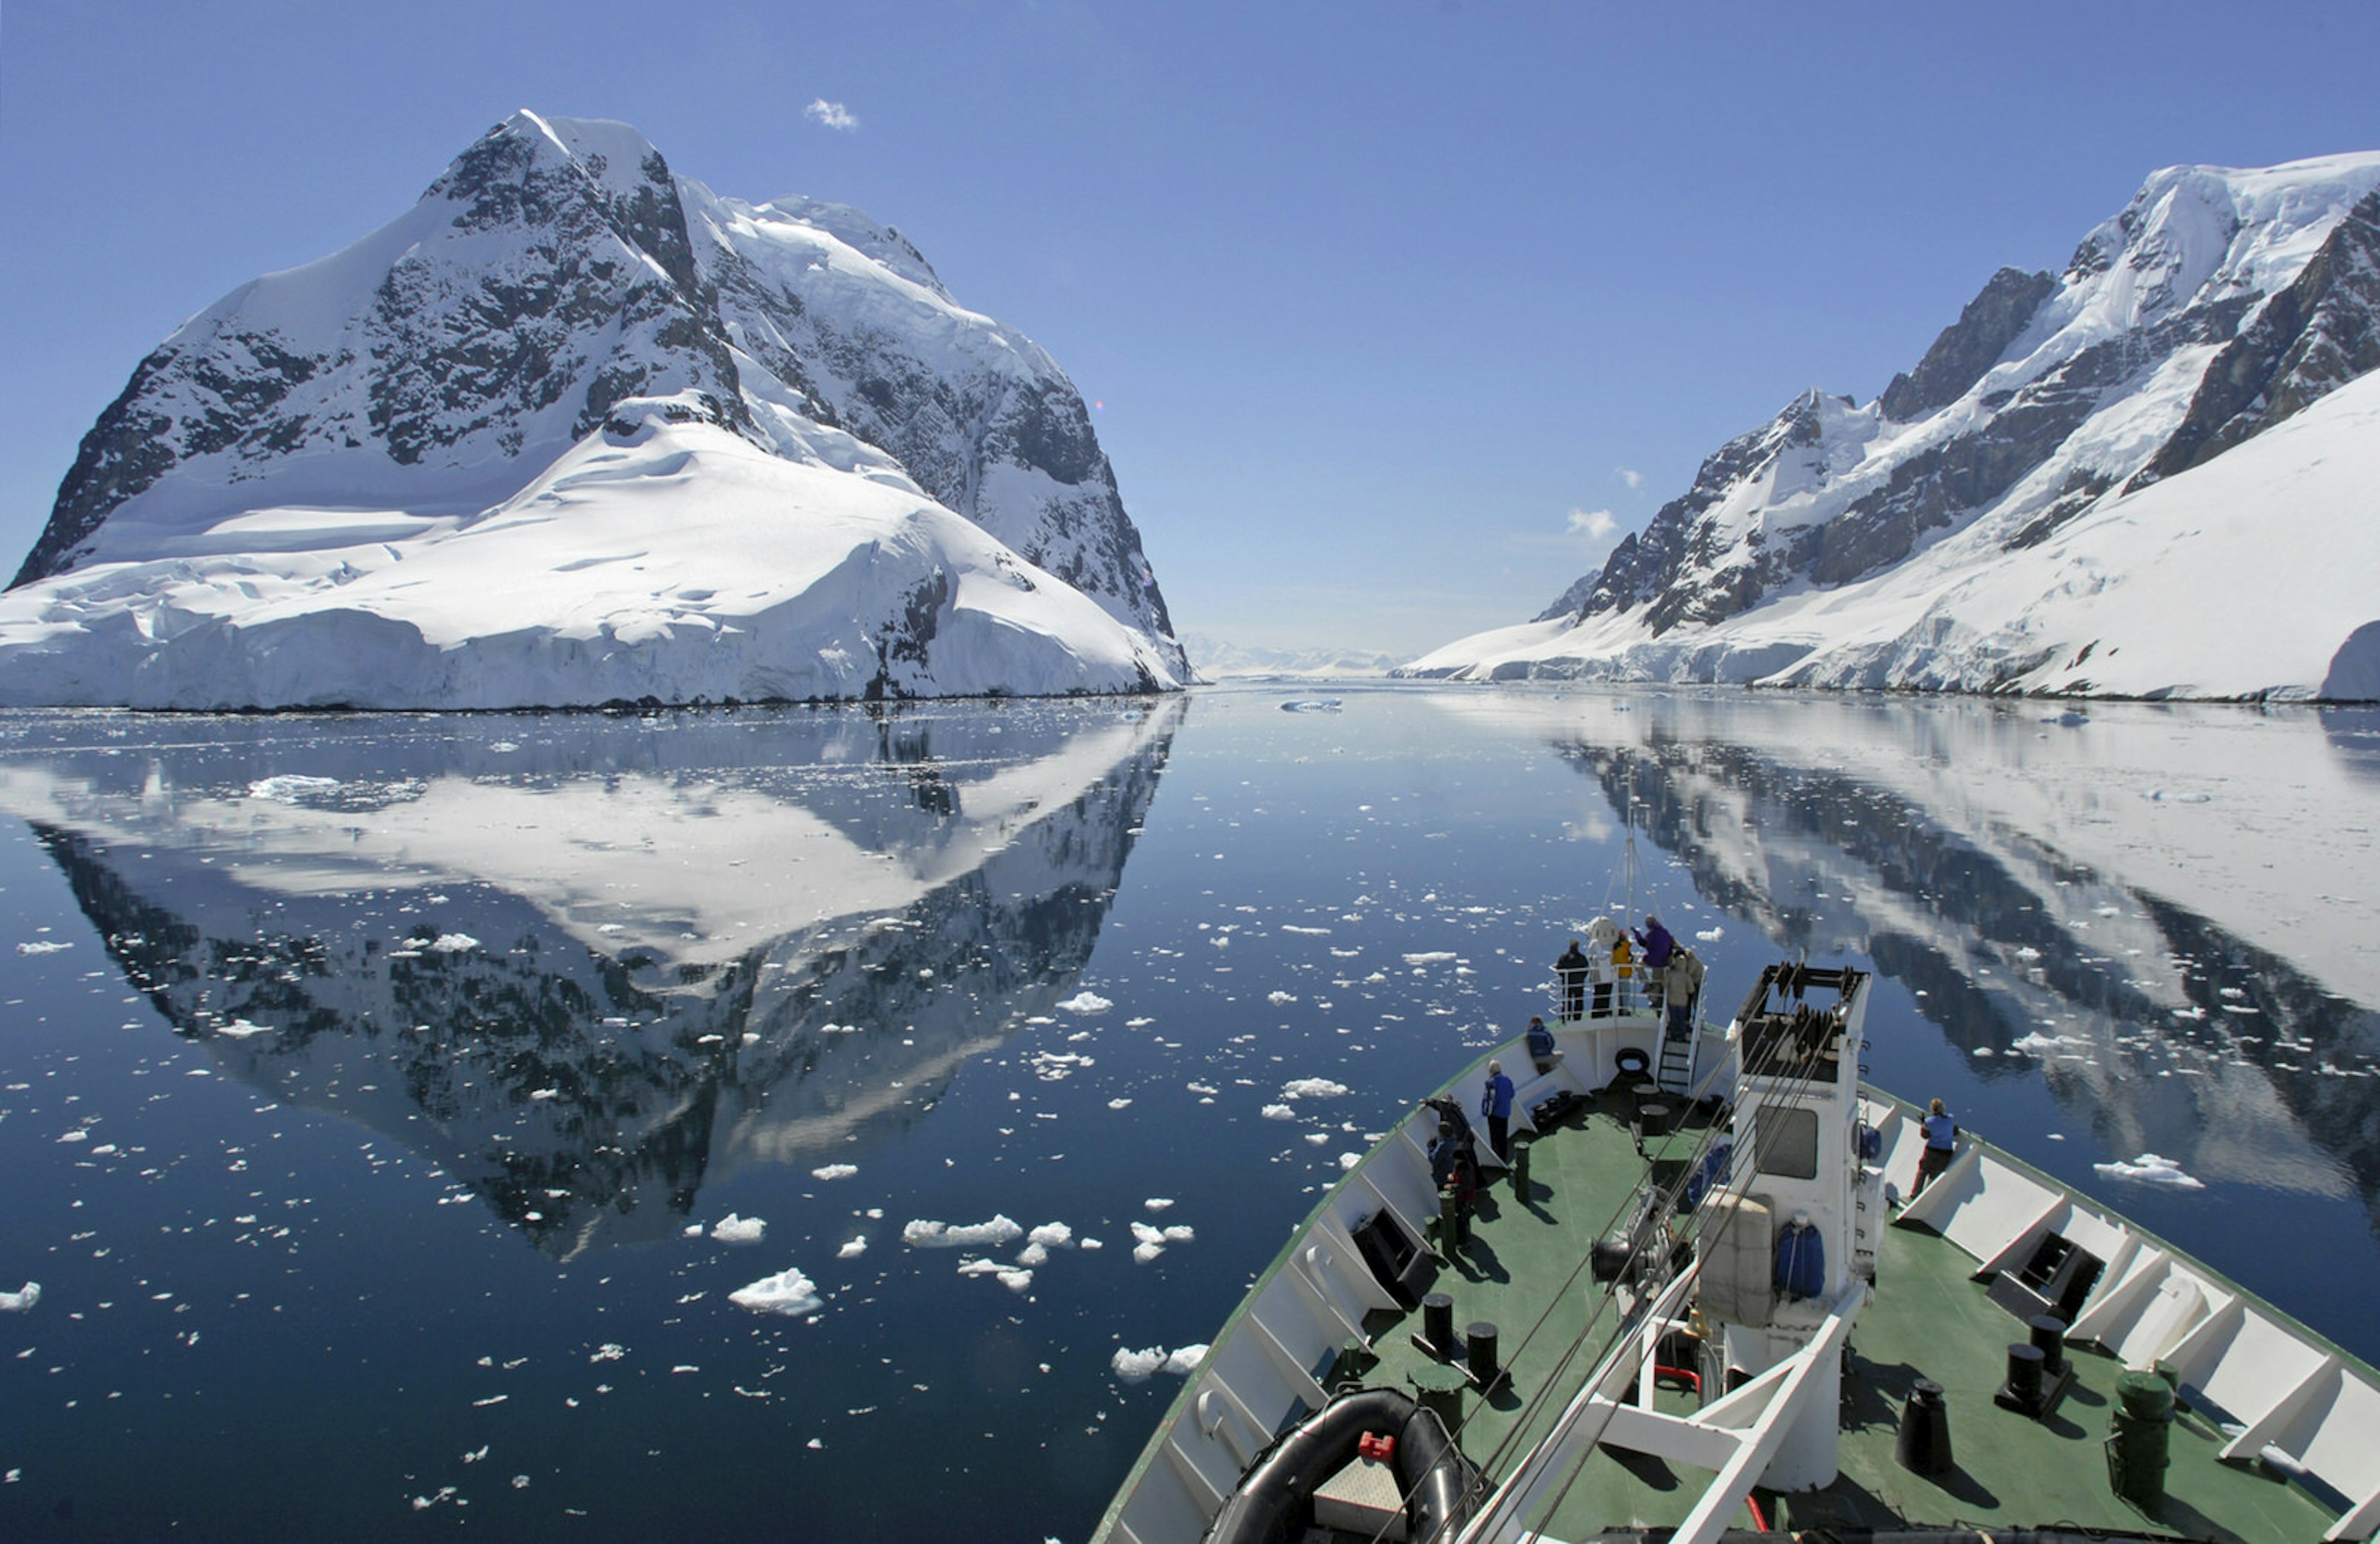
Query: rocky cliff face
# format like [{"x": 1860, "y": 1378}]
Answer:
[
  {"x": 2217, "y": 305},
  {"x": 557, "y": 281}
]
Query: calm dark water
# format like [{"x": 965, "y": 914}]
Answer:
[{"x": 370, "y": 1088}]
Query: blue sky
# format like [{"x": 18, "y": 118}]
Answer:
[{"x": 1385, "y": 302}]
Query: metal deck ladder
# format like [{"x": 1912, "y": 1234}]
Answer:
[{"x": 1676, "y": 1072}]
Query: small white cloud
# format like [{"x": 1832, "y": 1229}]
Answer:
[
  {"x": 831, "y": 115},
  {"x": 1594, "y": 525},
  {"x": 1630, "y": 476}
]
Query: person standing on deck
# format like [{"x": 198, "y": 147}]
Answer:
[
  {"x": 1622, "y": 969},
  {"x": 1541, "y": 1045},
  {"x": 1602, "y": 934},
  {"x": 1658, "y": 945},
  {"x": 1941, "y": 1143},
  {"x": 1680, "y": 984},
  {"x": 1571, "y": 970},
  {"x": 1496, "y": 1103}
]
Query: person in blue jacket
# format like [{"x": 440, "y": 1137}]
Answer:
[
  {"x": 1541, "y": 1044},
  {"x": 1941, "y": 1145},
  {"x": 1496, "y": 1103}
]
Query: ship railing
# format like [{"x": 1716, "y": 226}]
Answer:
[{"x": 2289, "y": 1398}]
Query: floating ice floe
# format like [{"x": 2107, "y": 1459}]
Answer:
[
  {"x": 1280, "y": 998},
  {"x": 453, "y": 943},
  {"x": 542, "y": 1094},
  {"x": 1086, "y": 1001},
  {"x": 1310, "y": 932},
  {"x": 1119, "y": 1103},
  {"x": 1279, "y": 1113},
  {"x": 1157, "y": 1203},
  {"x": 1052, "y": 1066},
  {"x": 43, "y": 946},
  {"x": 20, "y": 1300},
  {"x": 1312, "y": 705},
  {"x": 834, "y": 1171},
  {"x": 788, "y": 1292},
  {"x": 609, "y": 1351},
  {"x": 922, "y": 1235},
  {"x": 1711, "y": 935},
  {"x": 2158, "y": 796},
  {"x": 2150, "y": 1168},
  {"x": 1139, "y": 1367},
  {"x": 1433, "y": 956},
  {"x": 2039, "y": 1044},
  {"x": 1014, "y": 1278},
  {"x": 1349, "y": 1160},
  {"x": 1051, "y": 1235},
  {"x": 732, "y": 1229},
  {"x": 289, "y": 788},
  {"x": 853, "y": 1248},
  {"x": 1313, "y": 1088}
]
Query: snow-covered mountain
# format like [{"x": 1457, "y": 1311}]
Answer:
[
  {"x": 575, "y": 429},
  {"x": 1221, "y": 661},
  {"x": 2155, "y": 474}
]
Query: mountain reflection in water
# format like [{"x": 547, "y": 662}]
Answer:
[
  {"x": 880, "y": 981},
  {"x": 2102, "y": 901},
  {"x": 588, "y": 966}
]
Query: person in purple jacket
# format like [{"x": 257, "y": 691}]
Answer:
[{"x": 1657, "y": 942}]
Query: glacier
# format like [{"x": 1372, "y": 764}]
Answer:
[
  {"x": 576, "y": 430},
  {"x": 2155, "y": 474}
]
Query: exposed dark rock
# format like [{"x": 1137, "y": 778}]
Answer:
[
  {"x": 1971, "y": 345},
  {"x": 2310, "y": 338}
]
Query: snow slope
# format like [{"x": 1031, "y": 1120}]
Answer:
[
  {"x": 2084, "y": 476},
  {"x": 572, "y": 430}
]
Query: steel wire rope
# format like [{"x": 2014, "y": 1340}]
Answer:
[
  {"x": 1762, "y": 1141},
  {"x": 1632, "y": 1201},
  {"x": 1535, "y": 1405},
  {"x": 1667, "y": 1198}
]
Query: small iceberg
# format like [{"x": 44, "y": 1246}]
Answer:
[
  {"x": 787, "y": 1291},
  {"x": 2150, "y": 1168},
  {"x": 732, "y": 1229},
  {"x": 927, "y": 1234},
  {"x": 1139, "y": 1367}
]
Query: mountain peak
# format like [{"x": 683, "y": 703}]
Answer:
[
  {"x": 562, "y": 325},
  {"x": 1910, "y": 543}
]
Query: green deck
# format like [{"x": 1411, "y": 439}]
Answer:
[{"x": 1930, "y": 1319}]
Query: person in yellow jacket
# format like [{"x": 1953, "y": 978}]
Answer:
[{"x": 1623, "y": 968}]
